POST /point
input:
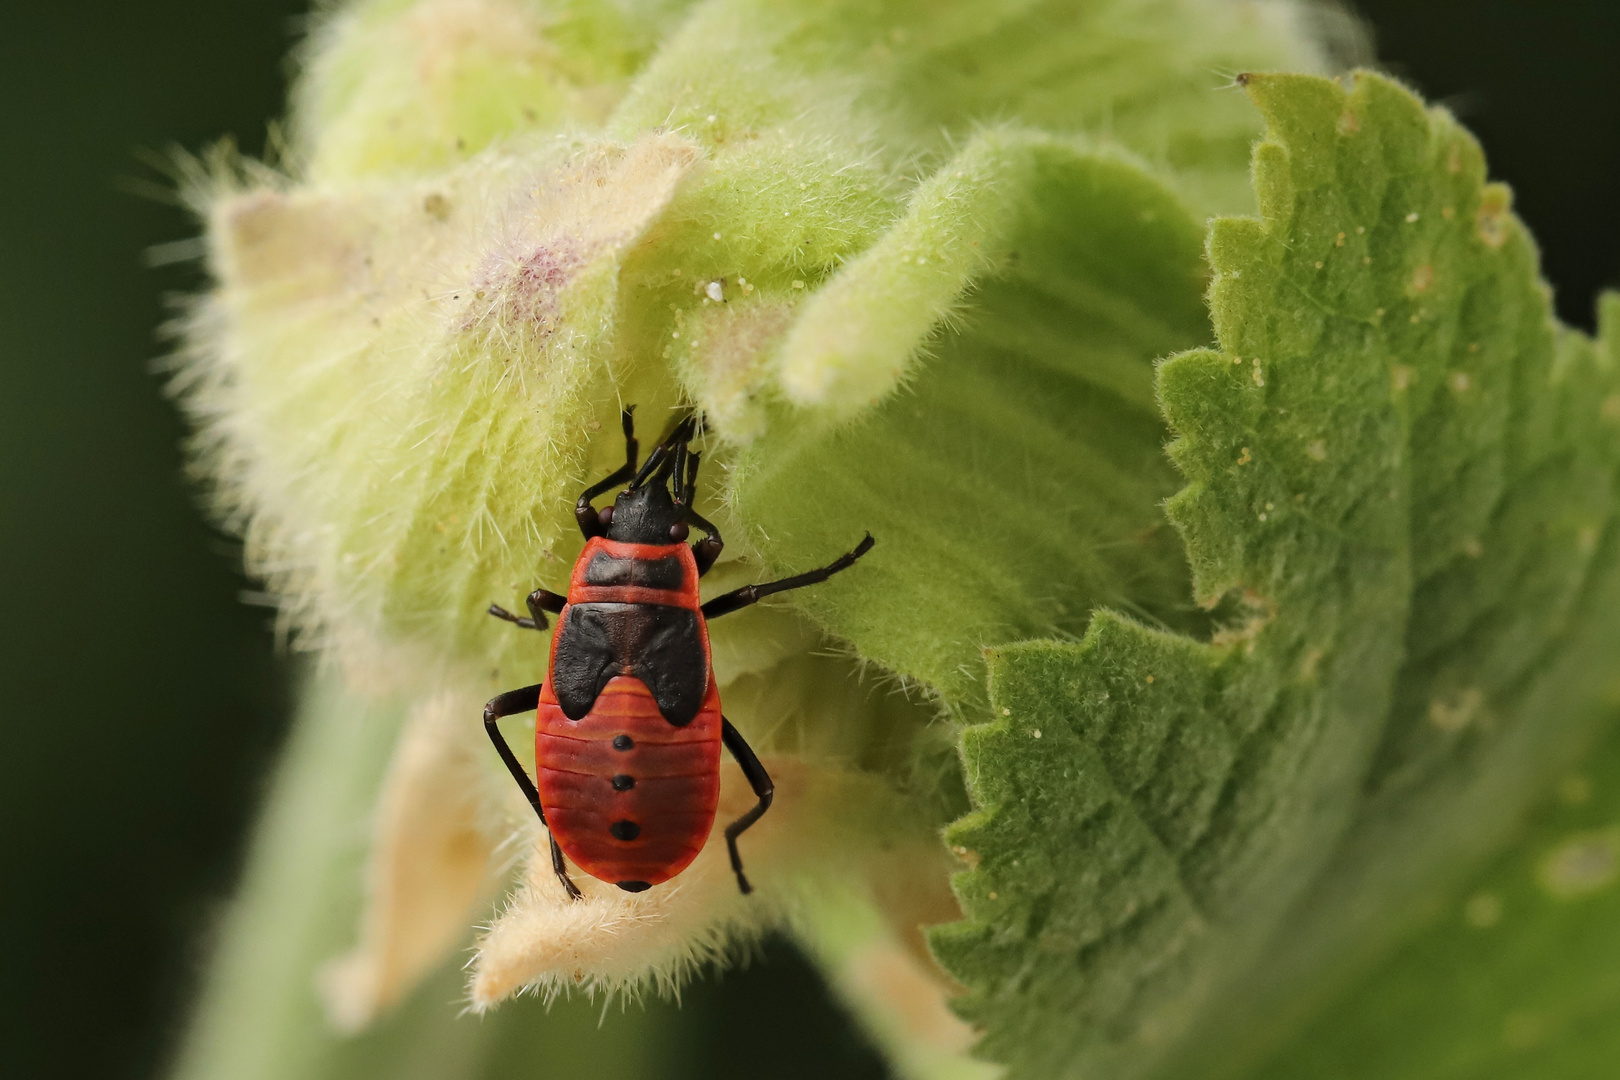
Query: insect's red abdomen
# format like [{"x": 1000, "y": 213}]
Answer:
[
  {"x": 651, "y": 823},
  {"x": 675, "y": 773}
]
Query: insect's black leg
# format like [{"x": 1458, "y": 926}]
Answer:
[
  {"x": 525, "y": 621},
  {"x": 543, "y": 600},
  {"x": 708, "y": 549},
  {"x": 760, "y": 781},
  {"x": 750, "y": 594},
  {"x": 560, "y": 868},
  {"x": 509, "y": 704},
  {"x": 678, "y": 474},
  {"x": 692, "y": 464},
  {"x": 584, "y": 512},
  {"x": 679, "y": 434},
  {"x": 540, "y": 601}
]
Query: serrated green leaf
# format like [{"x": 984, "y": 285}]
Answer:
[
  {"x": 1513, "y": 978},
  {"x": 1400, "y": 482},
  {"x": 1509, "y": 669}
]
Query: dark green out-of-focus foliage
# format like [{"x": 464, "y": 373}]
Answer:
[{"x": 144, "y": 699}]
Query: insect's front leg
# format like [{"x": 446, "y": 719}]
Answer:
[
  {"x": 539, "y": 602},
  {"x": 589, "y": 522},
  {"x": 708, "y": 549}
]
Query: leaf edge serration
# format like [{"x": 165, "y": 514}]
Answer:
[{"x": 1214, "y": 550}]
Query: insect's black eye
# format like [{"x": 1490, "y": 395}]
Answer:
[
  {"x": 605, "y": 516},
  {"x": 678, "y": 532}
]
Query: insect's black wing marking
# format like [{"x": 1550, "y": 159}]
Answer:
[
  {"x": 659, "y": 644},
  {"x": 586, "y": 656},
  {"x": 671, "y": 662}
]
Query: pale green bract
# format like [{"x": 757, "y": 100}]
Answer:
[{"x": 1228, "y": 719}]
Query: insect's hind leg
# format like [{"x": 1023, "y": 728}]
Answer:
[
  {"x": 726, "y": 603},
  {"x": 510, "y": 704},
  {"x": 560, "y": 868},
  {"x": 760, "y": 781}
]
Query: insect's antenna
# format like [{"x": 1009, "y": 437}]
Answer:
[
  {"x": 627, "y": 421},
  {"x": 673, "y": 460},
  {"x": 691, "y": 479},
  {"x": 679, "y": 431},
  {"x": 654, "y": 460},
  {"x": 678, "y": 474},
  {"x": 654, "y": 467}
]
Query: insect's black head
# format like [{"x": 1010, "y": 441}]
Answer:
[
  {"x": 644, "y": 515},
  {"x": 652, "y": 509}
]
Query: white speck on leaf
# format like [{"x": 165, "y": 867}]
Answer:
[
  {"x": 1483, "y": 910},
  {"x": 1453, "y": 713},
  {"x": 1575, "y": 790},
  {"x": 1583, "y": 864}
]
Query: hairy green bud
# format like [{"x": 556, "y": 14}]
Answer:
[{"x": 1196, "y": 727}]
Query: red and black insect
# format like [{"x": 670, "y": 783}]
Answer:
[{"x": 628, "y": 727}]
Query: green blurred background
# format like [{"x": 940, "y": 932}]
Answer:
[{"x": 143, "y": 699}]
